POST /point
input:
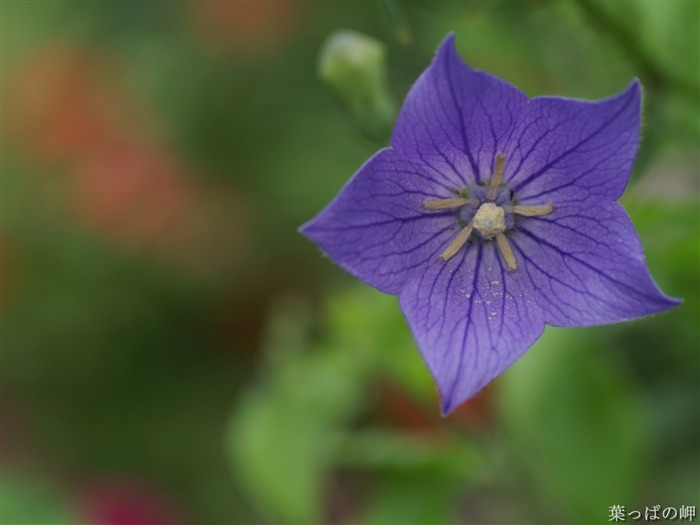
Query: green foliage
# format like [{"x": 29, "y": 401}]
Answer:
[
  {"x": 30, "y": 501},
  {"x": 578, "y": 423},
  {"x": 286, "y": 432}
]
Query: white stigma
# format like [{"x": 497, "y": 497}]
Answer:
[{"x": 489, "y": 220}]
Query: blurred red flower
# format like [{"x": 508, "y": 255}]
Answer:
[
  {"x": 65, "y": 103},
  {"x": 71, "y": 114},
  {"x": 133, "y": 194}
]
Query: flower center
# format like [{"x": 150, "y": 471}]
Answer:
[{"x": 489, "y": 220}]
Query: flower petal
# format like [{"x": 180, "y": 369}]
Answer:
[
  {"x": 588, "y": 266},
  {"x": 472, "y": 319},
  {"x": 571, "y": 151},
  {"x": 377, "y": 228},
  {"x": 457, "y": 118}
]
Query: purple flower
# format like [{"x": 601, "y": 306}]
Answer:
[{"x": 492, "y": 214}]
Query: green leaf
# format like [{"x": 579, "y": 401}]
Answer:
[
  {"x": 29, "y": 501},
  {"x": 577, "y": 425},
  {"x": 416, "y": 478},
  {"x": 408, "y": 499},
  {"x": 287, "y": 431}
]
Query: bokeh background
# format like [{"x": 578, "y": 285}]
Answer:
[{"x": 174, "y": 352}]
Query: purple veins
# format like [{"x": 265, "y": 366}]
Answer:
[{"x": 492, "y": 214}]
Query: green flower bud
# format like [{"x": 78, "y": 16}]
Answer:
[{"x": 353, "y": 65}]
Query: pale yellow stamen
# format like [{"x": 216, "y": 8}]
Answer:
[
  {"x": 506, "y": 252},
  {"x": 497, "y": 176},
  {"x": 443, "y": 204},
  {"x": 457, "y": 242},
  {"x": 530, "y": 211}
]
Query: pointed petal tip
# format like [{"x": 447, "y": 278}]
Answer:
[
  {"x": 446, "y": 408},
  {"x": 308, "y": 229},
  {"x": 450, "y": 402},
  {"x": 664, "y": 303},
  {"x": 672, "y": 302},
  {"x": 304, "y": 228},
  {"x": 661, "y": 304},
  {"x": 635, "y": 86},
  {"x": 633, "y": 89},
  {"x": 449, "y": 40},
  {"x": 449, "y": 46},
  {"x": 446, "y": 394}
]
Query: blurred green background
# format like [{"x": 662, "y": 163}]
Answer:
[{"x": 173, "y": 352}]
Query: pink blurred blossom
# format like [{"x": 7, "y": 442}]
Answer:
[{"x": 126, "y": 503}]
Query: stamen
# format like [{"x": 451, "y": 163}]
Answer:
[
  {"x": 497, "y": 176},
  {"x": 457, "y": 242},
  {"x": 443, "y": 204},
  {"x": 506, "y": 252},
  {"x": 530, "y": 211}
]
